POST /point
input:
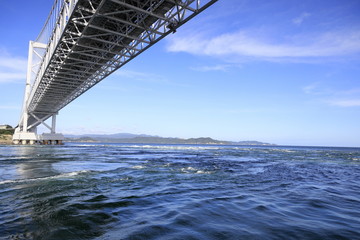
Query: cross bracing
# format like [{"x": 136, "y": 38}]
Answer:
[{"x": 87, "y": 40}]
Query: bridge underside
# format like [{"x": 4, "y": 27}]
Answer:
[{"x": 92, "y": 39}]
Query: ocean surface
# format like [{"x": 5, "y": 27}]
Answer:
[{"x": 119, "y": 191}]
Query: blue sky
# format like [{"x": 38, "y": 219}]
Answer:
[{"x": 284, "y": 72}]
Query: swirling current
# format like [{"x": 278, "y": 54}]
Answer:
[{"x": 124, "y": 191}]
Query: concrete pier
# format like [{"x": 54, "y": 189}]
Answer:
[{"x": 31, "y": 138}]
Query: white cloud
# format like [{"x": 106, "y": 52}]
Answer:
[
  {"x": 147, "y": 77},
  {"x": 9, "y": 107},
  {"x": 311, "y": 88},
  {"x": 130, "y": 74},
  {"x": 316, "y": 89},
  {"x": 243, "y": 45},
  {"x": 300, "y": 19},
  {"x": 12, "y": 69},
  {"x": 13, "y": 63},
  {"x": 221, "y": 67},
  {"x": 11, "y": 77},
  {"x": 349, "y": 91},
  {"x": 141, "y": 76},
  {"x": 345, "y": 102},
  {"x": 334, "y": 97}
]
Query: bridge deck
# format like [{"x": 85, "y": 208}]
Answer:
[{"x": 92, "y": 39}]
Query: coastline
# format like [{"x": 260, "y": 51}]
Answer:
[{"x": 5, "y": 139}]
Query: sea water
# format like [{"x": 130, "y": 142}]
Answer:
[{"x": 125, "y": 191}]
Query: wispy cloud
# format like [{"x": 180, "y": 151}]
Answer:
[
  {"x": 13, "y": 63},
  {"x": 345, "y": 102},
  {"x": 146, "y": 77},
  {"x": 11, "y": 77},
  {"x": 300, "y": 19},
  {"x": 141, "y": 76},
  {"x": 9, "y": 107},
  {"x": 245, "y": 44},
  {"x": 334, "y": 97},
  {"x": 316, "y": 88},
  {"x": 349, "y": 91},
  {"x": 220, "y": 67},
  {"x": 12, "y": 69}
]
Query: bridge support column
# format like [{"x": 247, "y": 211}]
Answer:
[
  {"x": 53, "y": 123},
  {"x": 25, "y": 138},
  {"x": 32, "y": 138},
  {"x": 51, "y": 138}
]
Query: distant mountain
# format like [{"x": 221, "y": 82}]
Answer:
[
  {"x": 110, "y": 136},
  {"x": 143, "y": 138}
]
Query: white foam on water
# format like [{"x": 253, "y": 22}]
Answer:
[
  {"x": 138, "y": 167},
  {"x": 256, "y": 170},
  {"x": 203, "y": 172},
  {"x": 60, "y": 176},
  {"x": 194, "y": 171},
  {"x": 188, "y": 169}
]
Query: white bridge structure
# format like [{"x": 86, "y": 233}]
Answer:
[{"x": 83, "y": 42}]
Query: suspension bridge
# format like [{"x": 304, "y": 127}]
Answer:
[{"x": 83, "y": 42}]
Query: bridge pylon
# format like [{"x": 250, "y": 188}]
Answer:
[{"x": 25, "y": 133}]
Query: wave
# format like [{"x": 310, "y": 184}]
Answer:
[
  {"x": 192, "y": 170},
  {"x": 29, "y": 180},
  {"x": 175, "y": 147}
]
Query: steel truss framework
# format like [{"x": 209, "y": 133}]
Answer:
[{"x": 87, "y": 40}]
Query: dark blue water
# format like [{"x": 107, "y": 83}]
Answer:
[{"x": 118, "y": 191}]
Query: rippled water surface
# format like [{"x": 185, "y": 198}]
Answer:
[{"x": 118, "y": 191}]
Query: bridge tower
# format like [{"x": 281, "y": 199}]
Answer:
[{"x": 25, "y": 133}]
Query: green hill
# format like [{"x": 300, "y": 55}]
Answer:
[{"x": 114, "y": 138}]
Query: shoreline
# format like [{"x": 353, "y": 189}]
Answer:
[{"x": 5, "y": 139}]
